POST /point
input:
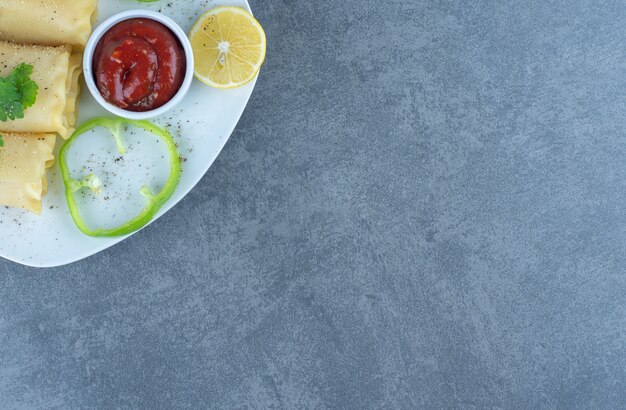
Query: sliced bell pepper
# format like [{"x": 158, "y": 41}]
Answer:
[{"x": 93, "y": 183}]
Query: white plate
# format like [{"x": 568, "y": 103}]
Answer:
[{"x": 201, "y": 125}]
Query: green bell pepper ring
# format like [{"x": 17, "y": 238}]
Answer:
[{"x": 154, "y": 202}]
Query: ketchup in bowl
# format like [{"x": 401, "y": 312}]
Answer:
[{"x": 139, "y": 65}]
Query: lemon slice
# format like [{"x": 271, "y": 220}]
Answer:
[{"x": 228, "y": 46}]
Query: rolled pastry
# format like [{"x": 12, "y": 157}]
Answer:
[
  {"x": 47, "y": 22},
  {"x": 24, "y": 159},
  {"x": 56, "y": 71}
]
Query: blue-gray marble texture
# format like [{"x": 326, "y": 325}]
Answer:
[{"x": 423, "y": 206}]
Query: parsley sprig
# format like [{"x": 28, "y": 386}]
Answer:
[{"x": 17, "y": 92}]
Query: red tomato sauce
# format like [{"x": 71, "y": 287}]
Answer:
[{"x": 139, "y": 65}]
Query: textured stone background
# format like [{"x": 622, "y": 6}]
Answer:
[{"x": 423, "y": 206}]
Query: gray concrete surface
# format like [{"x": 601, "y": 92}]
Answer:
[{"x": 422, "y": 207}]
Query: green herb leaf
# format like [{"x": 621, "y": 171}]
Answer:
[
  {"x": 17, "y": 93},
  {"x": 28, "y": 89},
  {"x": 10, "y": 102},
  {"x": 1, "y": 141}
]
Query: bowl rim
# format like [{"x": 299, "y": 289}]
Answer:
[{"x": 103, "y": 28}]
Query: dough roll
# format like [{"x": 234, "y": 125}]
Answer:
[
  {"x": 56, "y": 71},
  {"x": 24, "y": 159},
  {"x": 47, "y": 22}
]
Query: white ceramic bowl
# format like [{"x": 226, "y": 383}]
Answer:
[{"x": 103, "y": 28}]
